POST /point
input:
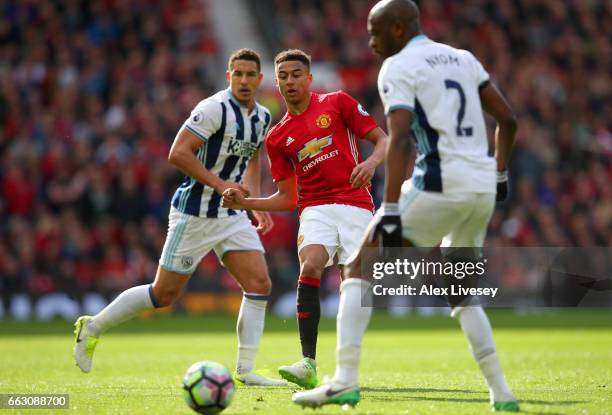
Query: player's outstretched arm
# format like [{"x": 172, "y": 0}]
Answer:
[
  {"x": 494, "y": 103},
  {"x": 183, "y": 156},
  {"x": 252, "y": 181},
  {"x": 284, "y": 199},
  {"x": 362, "y": 173}
]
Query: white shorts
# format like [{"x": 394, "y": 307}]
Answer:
[
  {"x": 449, "y": 219},
  {"x": 191, "y": 237},
  {"x": 339, "y": 228}
]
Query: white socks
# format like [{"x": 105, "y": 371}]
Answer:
[
  {"x": 498, "y": 388},
  {"x": 351, "y": 324},
  {"x": 353, "y": 320},
  {"x": 476, "y": 326},
  {"x": 127, "y": 305},
  {"x": 250, "y": 327},
  {"x": 132, "y": 302}
]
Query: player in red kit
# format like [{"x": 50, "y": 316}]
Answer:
[{"x": 314, "y": 149}]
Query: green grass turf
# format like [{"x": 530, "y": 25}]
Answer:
[{"x": 557, "y": 363}]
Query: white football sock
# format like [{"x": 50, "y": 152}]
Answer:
[
  {"x": 477, "y": 328},
  {"x": 250, "y": 327},
  {"x": 351, "y": 324},
  {"x": 127, "y": 305},
  {"x": 499, "y": 390}
]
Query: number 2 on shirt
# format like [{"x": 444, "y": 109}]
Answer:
[{"x": 461, "y": 131}]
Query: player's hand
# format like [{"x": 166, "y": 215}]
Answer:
[
  {"x": 362, "y": 174},
  {"x": 264, "y": 222},
  {"x": 502, "y": 186},
  {"x": 224, "y": 185},
  {"x": 386, "y": 227},
  {"x": 233, "y": 199}
]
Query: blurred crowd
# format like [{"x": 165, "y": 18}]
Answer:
[
  {"x": 553, "y": 61},
  {"x": 92, "y": 94}
]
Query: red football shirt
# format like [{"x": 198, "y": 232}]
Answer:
[{"x": 319, "y": 146}]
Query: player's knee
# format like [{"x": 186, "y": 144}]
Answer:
[
  {"x": 166, "y": 299},
  {"x": 310, "y": 268},
  {"x": 164, "y": 296},
  {"x": 259, "y": 284},
  {"x": 264, "y": 285}
]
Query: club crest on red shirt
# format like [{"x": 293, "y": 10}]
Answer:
[{"x": 323, "y": 121}]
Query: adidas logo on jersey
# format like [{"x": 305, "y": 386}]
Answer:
[{"x": 289, "y": 141}]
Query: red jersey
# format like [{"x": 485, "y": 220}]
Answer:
[{"x": 319, "y": 146}]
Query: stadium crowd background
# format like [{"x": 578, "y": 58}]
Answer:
[{"x": 92, "y": 94}]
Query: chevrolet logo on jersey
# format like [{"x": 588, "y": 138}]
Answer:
[
  {"x": 241, "y": 148},
  {"x": 314, "y": 147}
]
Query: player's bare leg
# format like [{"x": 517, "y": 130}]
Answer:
[
  {"x": 351, "y": 324},
  {"x": 251, "y": 272},
  {"x": 313, "y": 259},
  {"x": 130, "y": 303}
]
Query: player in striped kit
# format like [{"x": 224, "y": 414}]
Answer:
[{"x": 218, "y": 148}]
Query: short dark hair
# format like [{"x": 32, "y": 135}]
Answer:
[
  {"x": 245, "y": 54},
  {"x": 293, "y": 55}
]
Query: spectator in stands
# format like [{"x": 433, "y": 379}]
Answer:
[{"x": 89, "y": 88}]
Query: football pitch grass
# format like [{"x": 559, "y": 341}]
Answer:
[{"x": 556, "y": 362}]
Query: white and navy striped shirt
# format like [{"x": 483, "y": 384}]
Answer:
[
  {"x": 441, "y": 86},
  {"x": 231, "y": 135}
]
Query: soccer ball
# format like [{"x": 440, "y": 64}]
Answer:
[{"x": 208, "y": 387}]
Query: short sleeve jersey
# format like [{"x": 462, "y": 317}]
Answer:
[
  {"x": 231, "y": 136},
  {"x": 320, "y": 148},
  {"x": 440, "y": 85}
]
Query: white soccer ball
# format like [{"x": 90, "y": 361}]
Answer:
[{"x": 208, "y": 387}]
